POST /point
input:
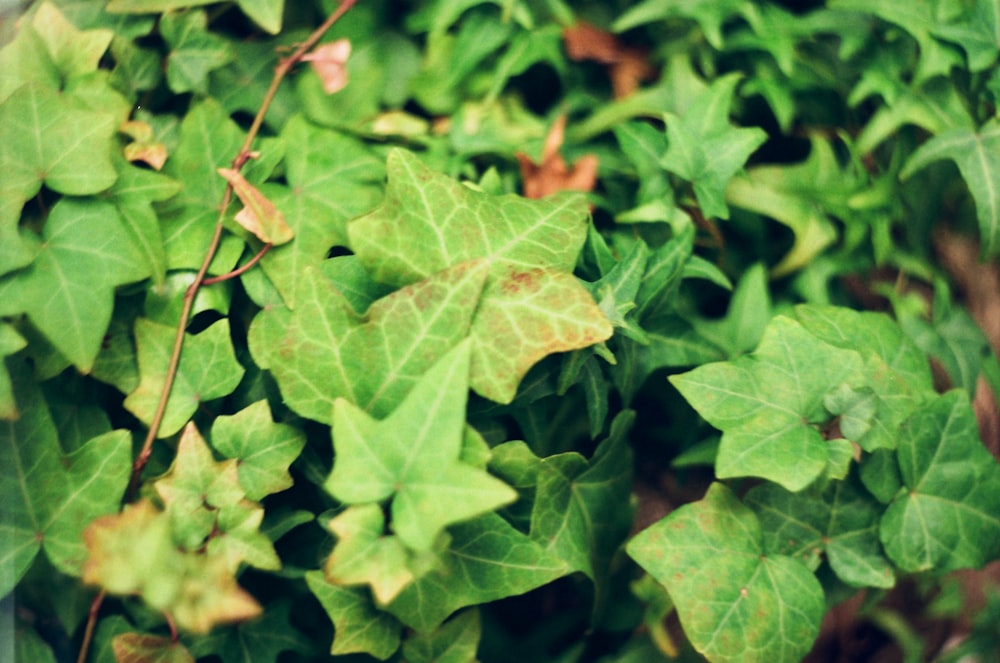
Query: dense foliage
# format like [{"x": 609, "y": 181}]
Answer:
[{"x": 580, "y": 331}]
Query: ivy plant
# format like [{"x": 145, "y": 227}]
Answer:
[{"x": 562, "y": 330}]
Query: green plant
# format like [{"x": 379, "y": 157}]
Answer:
[{"x": 381, "y": 395}]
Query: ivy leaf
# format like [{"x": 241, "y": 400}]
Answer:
[
  {"x": 975, "y": 154},
  {"x": 709, "y": 14},
  {"x": 766, "y": 404},
  {"x": 734, "y": 600},
  {"x": 142, "y": 648},
  {"x": 265, "y": 13},
  {"x": 193, "y": 51},
  {"x": 947, "y": 517},
  {"x": 332, "y": 178},
  {"x": 324, "y": 350},
  {"x": 897, "y": 372},
  {"x": 133, "y": 552},
  {"x": 45, "y": 140},
  {"x": 455, "y": 642},
  {"x": 209, "y": 139},
  {"x": 840, "y": 521},
  {"x": 74, "y": 52},
  {"x": 10, "y": 343},
  {"x": 488, "y": 560},
  {"x": 978, "y": 34},
  {"x": 413, "y": 457},
  {"x": 51, "y": 497},
  {"x": 364, "y": 555},
  {"x": 359, "y": 628},
  {"x": 705, "y": 149},
  {"x": 208, "y": 369},
  {"x": 68, "y": 292},
  {"x": 208, "y": 510},
  {"x": 429, "y": 222},
  {"x": 258, "y": 641},
  {"x": 800, "y": 196},
  {"x": 578, "y": 512},
  {"x": 264, "y": 449}
]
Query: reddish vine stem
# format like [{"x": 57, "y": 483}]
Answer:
[
  {"x": 244, "y": 155},
  {"x": 239, "y": 270}
]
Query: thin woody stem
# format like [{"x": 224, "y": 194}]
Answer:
[
  {"x": 239, "y": 270},
  {"x": 280, "y": 72}
]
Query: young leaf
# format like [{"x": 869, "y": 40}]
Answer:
[
  {"x": 324, "y": 350},
  {"x": 735, "y": 601},
  {"x": 329, "y": 62},
  {"x": 68, "y": 292},
  {"x": 358, "y": 626},
  {"x": 364, "y": 555},
  {"x": 208, "y": 369},
  {"x": 264, "y": 449},
  {"x": 767, "y": 404},
  {"x": 413, "y": 457},
  {"x": 133, "y": 552},
  {"x": 51, "y": 497},
  {"x": 488, "y": 560},
  {"x": 74, "y": 52},
  {"x": 949, "y": 515},
  {"x": 259, "y": 215},
  {"x": 975, "y": 154},
  {"x": 706, "y": 150},
  {"x": 430, "y": 222}
]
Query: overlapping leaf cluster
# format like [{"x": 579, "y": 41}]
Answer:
[{"x": 425, "y": 425}]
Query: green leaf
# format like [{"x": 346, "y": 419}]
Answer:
[
  {"x": 43, "y": 139},
  {"x": 264, "y": 449},
  {"x": 840, "y": 522},
  {"x": 359, "y": 626},
  {"x": 768, "y": 403},
  {"x": 208, "y": 369},
  {"x": 949, "y": 515},
  {"x": 209, "y": 139},
  {"x": 898, "y": 374},
  {"x": 10, "y": 343},
  {"x": 324, "y": 350},
  {"x": 801, "y": 196},
  {"x": 705, "y": 149},
  {"x": 332, "y": 178},
  {"x": 978, "y": 34},
  {"x": 364, "y": 555},
  {"x": 579, "y": 512},
  {"x": 976, "y": 155},
  {"x": 74, "y": 52},
  {"x": 51, "y": 497},
  {"x": 488, "y": 560},
  {"x": 259, "y": 641},
  {"x": 735, "y": 600},
  {"x": 413, "y": 457},
  {"x": 429, "y": 222},
  {"x": 709, "y": 14},
  {"x": 265, "y": 13},
  {"x": 194, "y": 51},
  {"x": 68, "y": 292},
  {"x": 455, "y": 642}
]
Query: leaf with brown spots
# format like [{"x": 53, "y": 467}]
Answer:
[{"x": 531, "y": 306}]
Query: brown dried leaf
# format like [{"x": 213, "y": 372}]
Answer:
[
  {"x": 627, "y": 65},
  {"x": 329, "y": 61},
  {"x": 143, "y": 146},
  {"x": 553, "y": 174},
  {"x": 259, "y": 215}
]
